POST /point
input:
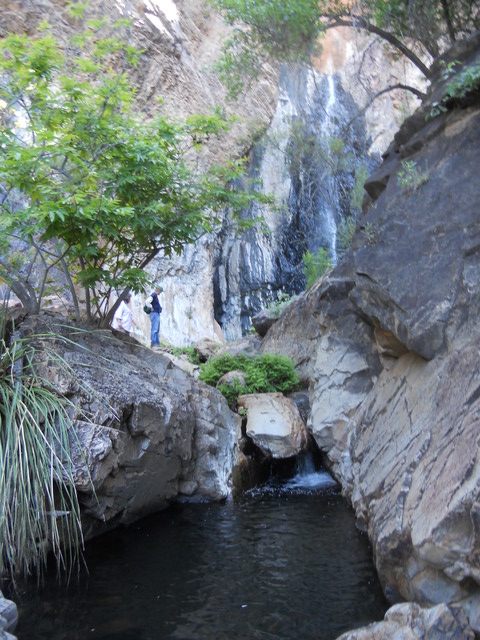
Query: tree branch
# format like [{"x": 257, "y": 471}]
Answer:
[{"x": 359, "y": 22}]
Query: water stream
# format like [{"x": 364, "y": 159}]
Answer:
[{"x": 283, "y": 562}]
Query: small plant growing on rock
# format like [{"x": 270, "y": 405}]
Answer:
[
  {"x": 186, "y": 352},
  {"x": 411, "y": 176},
  {"x": 278, "y": 306},
  {"x": 315, "y": 265},
  {"x": 345, "y": 232},
  {"x": 461, "y": 84}
]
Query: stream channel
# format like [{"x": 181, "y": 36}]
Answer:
[{"x": 283, "y": 561}]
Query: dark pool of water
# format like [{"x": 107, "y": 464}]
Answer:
[{"x": 284, "y": 562}]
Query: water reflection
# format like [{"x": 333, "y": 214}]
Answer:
[{"x": 283, "y": 562}]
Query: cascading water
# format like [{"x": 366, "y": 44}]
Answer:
[
  {"x": 307, "y": 160},
  {"x": 331, "y": 205},
  {"x": 307, "y": 477}
]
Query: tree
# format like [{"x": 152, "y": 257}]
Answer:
[
  {"x": 90, "y": 190},
  {"x": 288, "y": 30}
]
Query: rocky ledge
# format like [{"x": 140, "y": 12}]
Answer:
[{"x": 146, "y": 432}]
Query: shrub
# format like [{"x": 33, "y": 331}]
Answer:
[
  {"x": 315, "y": 265},
  {"x": 346, "y": 231},
  {"x": 263, "y": 374},
  {"x": 277, "y": 307},
  {"x": 410, "y": 177},
  {"x": 188, "y": 353}
]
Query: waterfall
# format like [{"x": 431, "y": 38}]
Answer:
[
  {"x": 328, "y": 128},
  {"x": 306, "y": 159},
  {"x": 307, "y": 476}
]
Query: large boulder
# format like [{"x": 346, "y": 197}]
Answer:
[
  {"x": 274, "y": 424},
  {"x": 206, "y": 348},
  {"x": 146, "y": 432},
  {"x": 8, "y": 618}
]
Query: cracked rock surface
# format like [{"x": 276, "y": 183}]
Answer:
[{"x": 390, "y": 343}]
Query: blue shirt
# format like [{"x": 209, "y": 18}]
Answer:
[{"x": 156, "y": 306}]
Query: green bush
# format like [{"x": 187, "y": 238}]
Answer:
[
  {"x": 263, "y": 374},
  {"x": 315, "y": 265},
  {"x": 277, "y": 307},
  {"x": 346, "y": 231},
  {"x": 188, "y": 353}
]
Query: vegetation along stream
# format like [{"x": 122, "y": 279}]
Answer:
[{"x": 283, "y": 561}]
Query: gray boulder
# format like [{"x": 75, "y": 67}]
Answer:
[
  {"x": 274, "y": 424},
  {"x": 263, "y": 320},
  {"x": 8, "y": 618},
  {"x": 146, "y": 434},
  {"x": 206, "y": 348}
]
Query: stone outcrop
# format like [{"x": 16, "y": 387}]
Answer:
[
  {"x": 146, "y": 431},
  {"x": 263, "y": 321},
  {"x": 274, "y": 424},
  {"x": 390, "y": 342}
]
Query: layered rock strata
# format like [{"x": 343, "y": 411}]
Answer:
[
  {"x": 390, "y": 341},
  {"x": 146, "y": 432}
]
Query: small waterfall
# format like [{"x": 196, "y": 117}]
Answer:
[{"x": 307, "y": 477}]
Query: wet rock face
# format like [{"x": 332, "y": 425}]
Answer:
[
  {"x": 390, "y": 342},
  {"x": 149, "y": 433}
]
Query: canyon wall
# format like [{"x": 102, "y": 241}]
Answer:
[{"x": 389, "y": 342}]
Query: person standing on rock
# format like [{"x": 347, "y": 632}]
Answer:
[
  {"x": 154, "y": 303},
  {"x": 123, "y": 318}
]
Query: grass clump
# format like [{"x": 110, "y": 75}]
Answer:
[
  {"x": 40, "y": 512},
  {"x": 263, "y": 374},
  {"x": 188, "y": 353}
]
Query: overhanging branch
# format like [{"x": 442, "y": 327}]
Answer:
[{"x": 359, "y": 22}]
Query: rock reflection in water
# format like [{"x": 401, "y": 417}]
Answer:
[{"x": 283, "y": 562}]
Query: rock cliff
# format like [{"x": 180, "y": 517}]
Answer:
[{"x": 389, "y": 341}]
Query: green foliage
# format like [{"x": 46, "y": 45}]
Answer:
[
  {"x": 38, "y": 500},
  {"x": 369, "y": 232},
  {"x": 263, "y": 374},
  {"x": 277, "y": 307},
  {"x": 281, "y": 29},
  {"x": 429, "y": 23},
  {"x": 410, "y": 177},
  {"x": 287, "y": 30},
  {"x": 358, "y": 191},
  {"x": 460, "y": 83},
  {"x": 315, "y": 265},
  {"x": 188, "y": 352},
  {"x": 103, "y": 189},
  {"x": 346, "y": 231}
]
